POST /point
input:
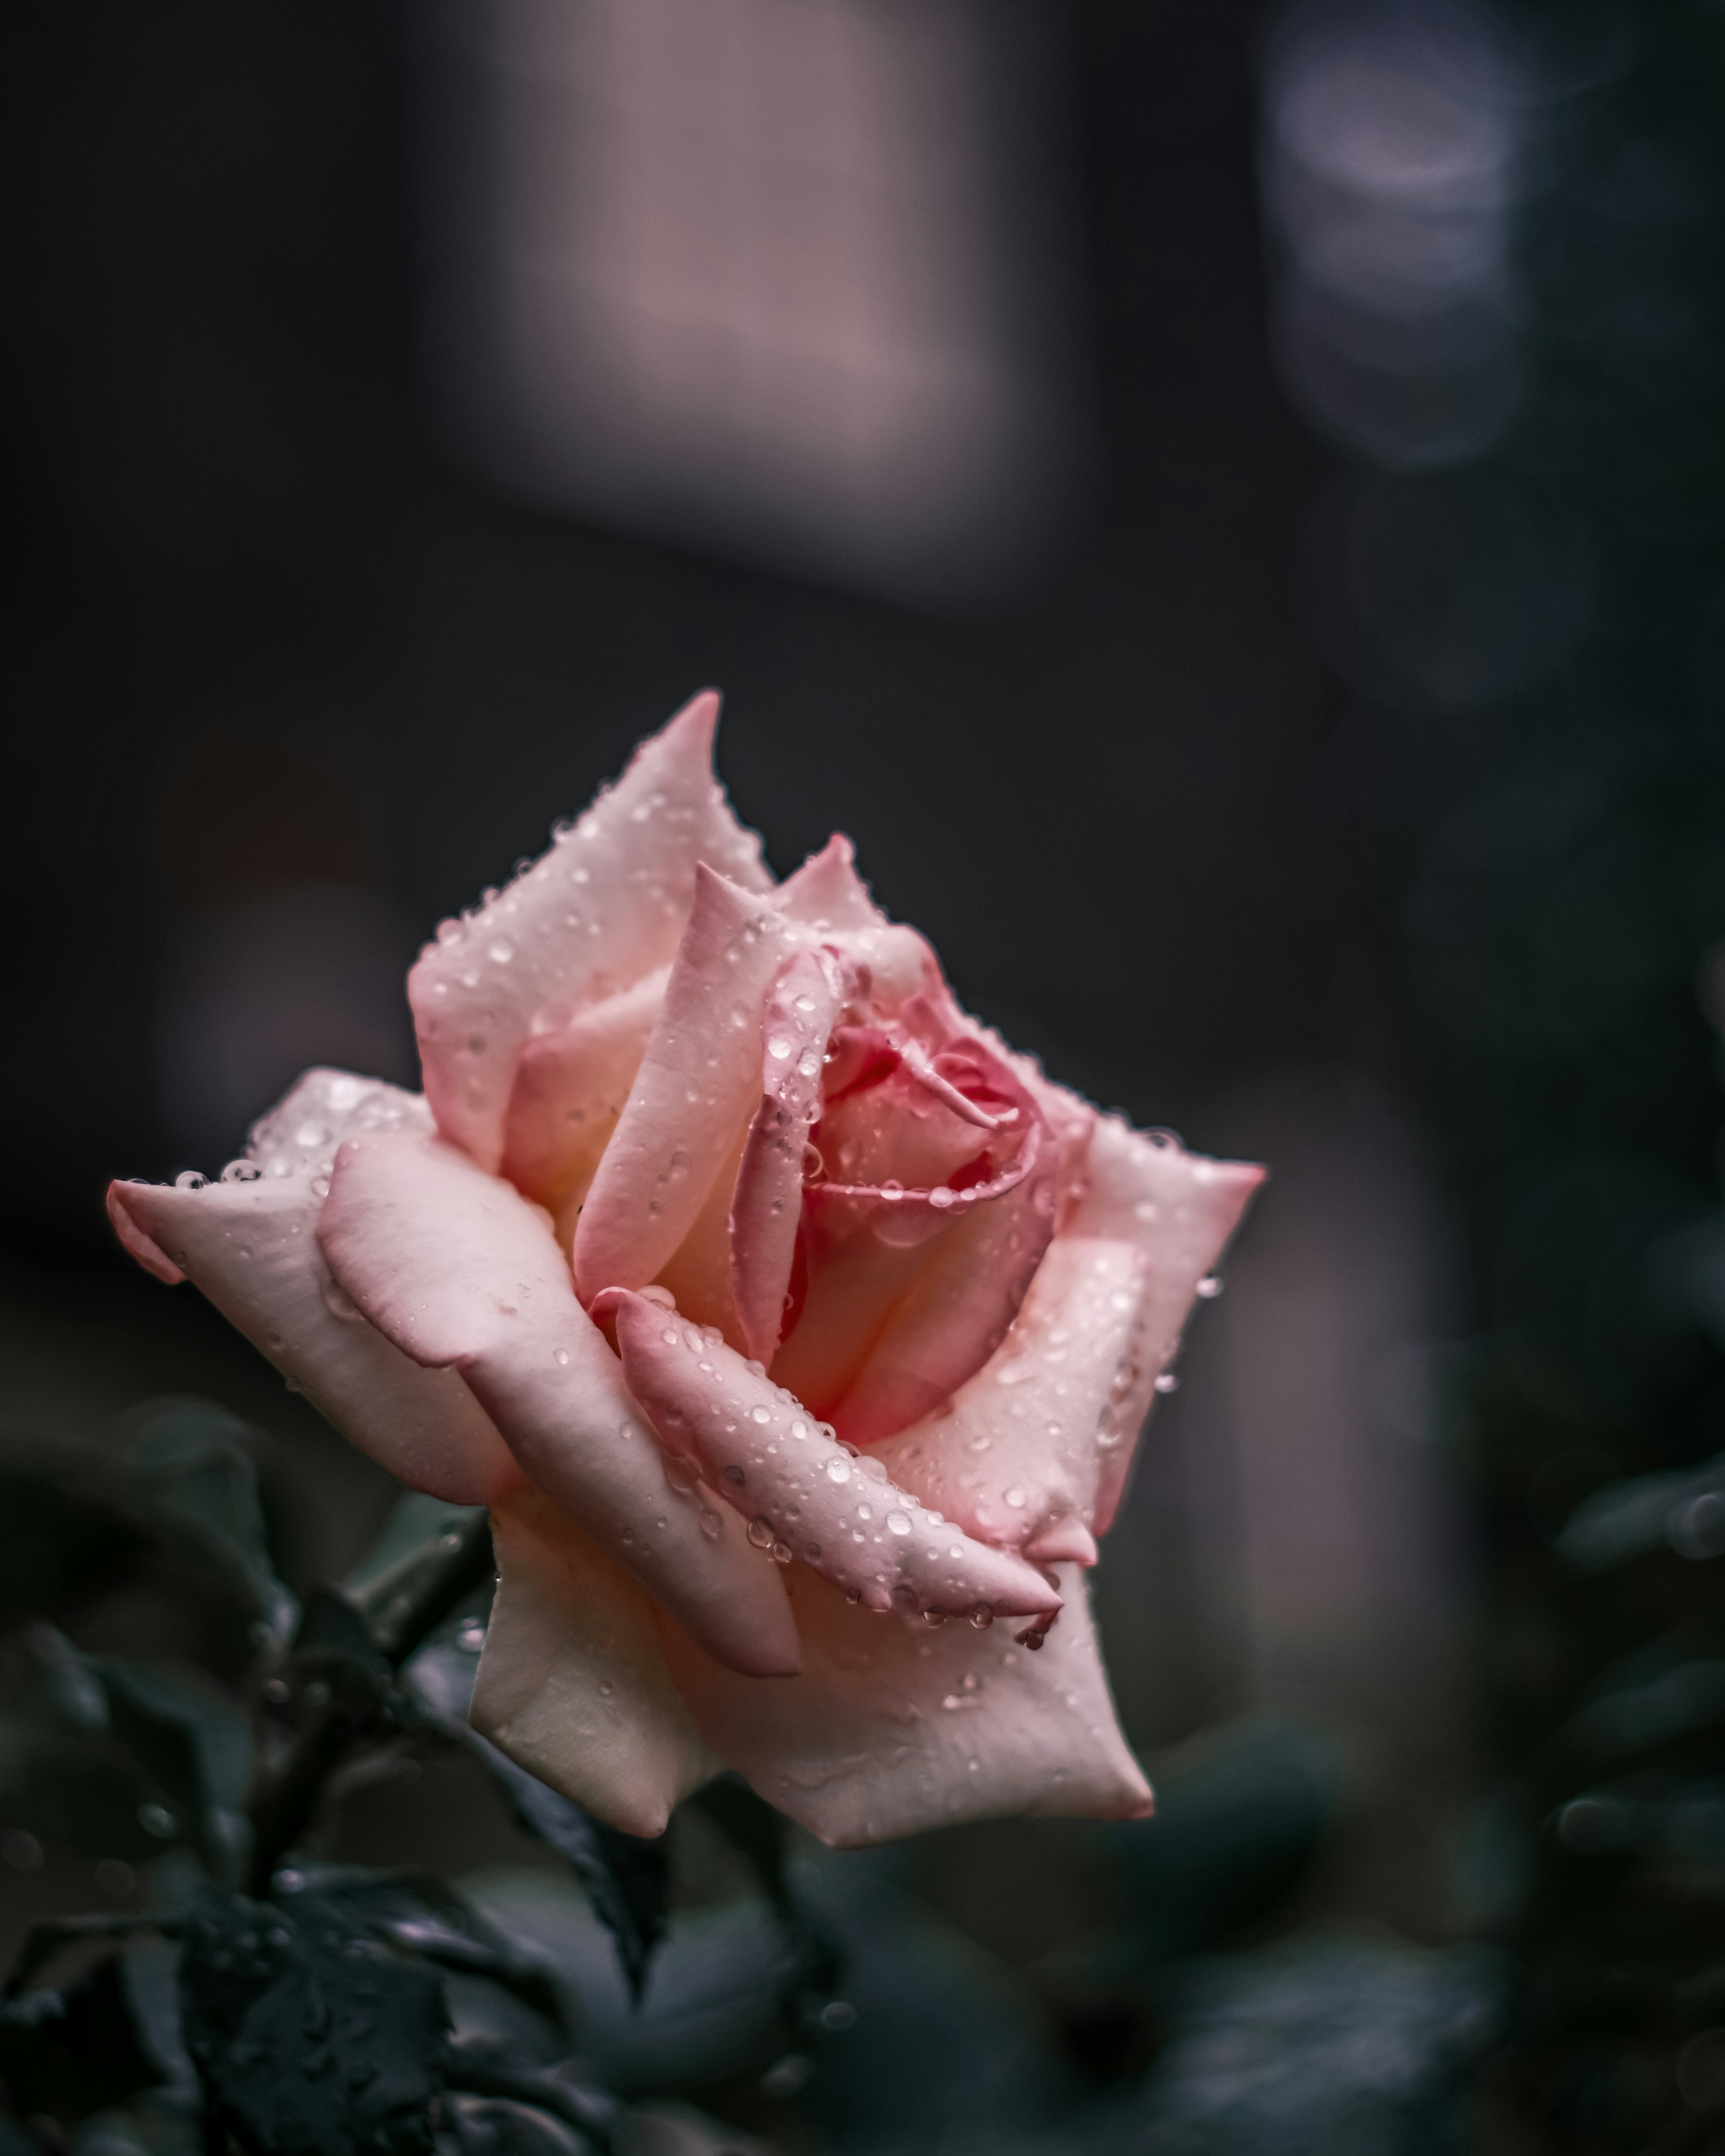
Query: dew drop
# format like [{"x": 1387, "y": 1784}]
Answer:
[
  {"x": 190, "y": 1179},
  {"x": 560, "y": 1357},
  {"x": 1209, "y": 1287},
  {"x": 1015, "y": 1498},
  {"x": 898, "y": 1523},
  {"x": 710, "y": 1523},
  {"x": 760, "y": 1415},
  {"x": 734, "y": 1475},
  {"x": 761, "y": 1533},
  {"x": 1168, "y": 1383},
  {"x": 838, "y": 1471}
]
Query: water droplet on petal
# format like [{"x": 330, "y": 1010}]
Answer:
[
  {"x": 1168, "y": 1383},
  {"x": 761, "y": 1533},
  {"x": 710, "y": 1523}
]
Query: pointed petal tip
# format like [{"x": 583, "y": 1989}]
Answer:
[{"x": 134, "y": 1239}]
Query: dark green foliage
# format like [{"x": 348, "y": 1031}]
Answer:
[
  {"x": 625, "y": 1877},
  {"x": 311, "y": 2037},
  {"x": 1230, "y": 1838},
  {"x": 70, "y": 2053}
]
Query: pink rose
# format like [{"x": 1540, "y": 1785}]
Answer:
[{"x": 888, "y": 1309}]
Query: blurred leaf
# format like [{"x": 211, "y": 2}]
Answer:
[
  {"x": 197, "y": 1484},
  {"x": 402, "y": 1600},
  {"x": 46, "y": 1936},
  {"x": 413, "y": 1520},
  {"x": 124, "y": 1759},
  {"x": 63, "y": 1524},
  {"x": 70, "y": 2053},
  {"x": 197, "y": 1746},
  {"x": 761, "y": 1835},
  {"x": 625, "y": 1876},
  {"x": 480, "y": 2068},
  {"x": 492, "y": 2126},
  {"x": 1230, "y": 1837},
  {"x": 1684, "y": 1512},
  {"x": 310, "y": 2038}
]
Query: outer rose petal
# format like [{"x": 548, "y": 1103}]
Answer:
[
  {"x": 767, "y": 1203},
  {"x": 766, "y": 1454},
  {"x": 605, "y": 906},
  {"x": 1017, "y": 1456},
  {"x": 569, "y": 1091},
  {"x": 251, "y": 1248},
  {"x": 572, "y": 1683},
  {"x": 696, "y": 1087},
  {"x": 459, "y": 1269},
  {"x": 892, "y": 1728},
  {"x": 1180, "y": 1209}
]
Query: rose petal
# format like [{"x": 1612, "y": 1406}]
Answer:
[
  {"x": 459, "y": 1270},
  {"x": 892, "y": 1729},
  {"x": 965, "y": 1298},
  {"x": 605, "y": 906},
  {"x": 572, "y": 1683},
  {"x": 694, "y": 1090},
  {"x": 1180, "y": 1209},
  {"x": 1017, "y": 1457},
  {"x": 828, "y": 896},
  {"x": 767, "y": 1203},
  {"x": 766, "y": 1454},
  {"x": 250, "y": 1248},
  {"x": 569, "y": 1090}
]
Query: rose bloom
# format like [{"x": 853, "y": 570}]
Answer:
[{"x": 797, "y": 1332}]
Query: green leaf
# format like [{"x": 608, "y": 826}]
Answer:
[
  {"x": 760, "y": 1833},
  {"x": 124, "y": 1759},
  {"x": 429, "y": 1557},
  {"x": 198, "y": 1486},
  {"x": 494, "y": 2126},
  {"x": 1231, "y": 1836},
  {"x": 64, "y": 1525},
  {"x": 625, "y": 1876},
  {"x": 68, "y": 2053},
  {"x": 309, "y": 2037}
]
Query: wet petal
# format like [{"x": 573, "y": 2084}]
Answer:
[
  {"x": 767, "y": 1203},
  {"x": 569, "y": 1091},
  {"x": 572, "y": 1683},
  {"x": 605, "y": 906},
  {"x": 251, "y": 1247},
  {"x": 964, "y": 1299},
  {"x": 1180, "y": 1209},
  {"x": 1018, "y": 1457},
  {"x": 460, "y": 1270},
  {"x": 827, "y": 895},
  {"x": 892, "y": 1728},
  {"x": 695, "y": 1090},
  {"x": 766, "y": 1454}
]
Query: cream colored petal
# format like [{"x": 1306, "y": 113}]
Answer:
[
  {"x": 893, "y": 1728},
  {"x": 605, "y": 906},
  {"x": 572, "y": 1683}
]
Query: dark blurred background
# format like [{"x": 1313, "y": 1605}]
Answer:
[{"x": 1224, "y": 504}]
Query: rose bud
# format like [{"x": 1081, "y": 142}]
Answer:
[{"x": 796, "y": 1331}]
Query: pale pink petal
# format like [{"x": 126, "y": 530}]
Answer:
[
  {"x": 1018, "y": 1456},
  {"x": 1180, "y": 1209},
  {"x": 251, "y": 1247},
  {"x": 697, "y": 1274},
  {"x": 965, "y": 1298},
  {"x": 767, "y": 1203},
  {"x": 893, "y": 1728},
  {"x": 768, "y": 1456},
  {"x": 827, "y": 895},
  {"x": 460, "y": 1270},
  {"x": 569, "y": 1090},
  {"x": 696, "y": 1088},
  {"x": 605, "y": 906},
  {"x": 572, "y": 1683}
]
